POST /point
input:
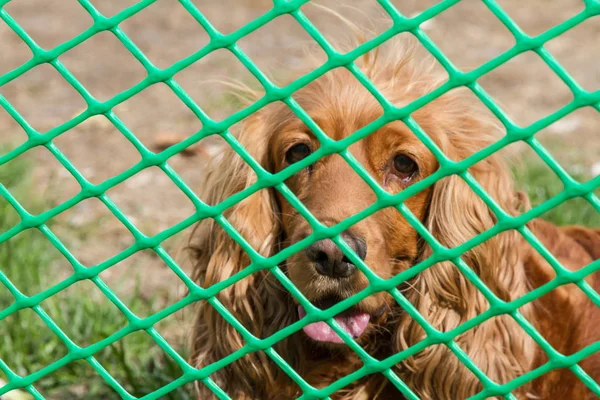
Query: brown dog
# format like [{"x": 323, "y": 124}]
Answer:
[{"x": 332, "y": 191}]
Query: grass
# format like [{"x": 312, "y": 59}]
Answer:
[
  {"x": 81, "y": 311},
  {"x": 87, "y": 317},
  {"x": 541, "y": 183}
]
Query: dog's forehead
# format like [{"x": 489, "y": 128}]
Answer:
[{"x": 339, "y": 107}]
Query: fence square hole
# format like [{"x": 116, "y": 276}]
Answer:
[
  {"x": 239, "y": 12},
  {"x": 575, "y": 51},
  {"x": 144, "y": 283},
  {"x": 75, "y": 380},
  {"x": 7, "y": 299},
  {"x": 443, "y": 368},
  {"x": 393, "y": 147},
  {"x": 15, "y": 52},
  {"x": 537, "y": 179},
  {"x": 500, "y": 347},
  {"x": 90, "y": 144},
  {"x": 151, "y": 201},
  {"x": 538, "y": 271},
  {"x": 32, "y": 263},
  {"x": 271, "y": 307},
  {"x": 457, "y": 213},
  {"x": 157, "y": 113},
  {"x": 568, "y": 141},
  {"x": 165, "y": 32},
  {"x": 91, "y": 232},
  {"x": 459, "y": 124},
  {"x": 50, "y": 22},
  {"x": 280, "y": 49},
  {"x": 104, "y": 66},
  {"x": 515, "y": 168},
  {"x": 176, "y": 329},
  {"x": 521, "y": 87},
  {"x": 329, "y": 109},
  {"x": 201, "y": 153},
  {"x": 576, "y": 211},
  {"x": 412, "y": 8},
  {"x": 13, "y": 133},
  {"x": 220, "y": 84},
  {"x": 444, "y": 297},
  {"x": 139, "y": 364},
  {"x": 508, "y": 265},
  {"x": 215, "y": 159},
  {"x": 470, "y": 34},
  {"x": 84, "y": 313},
  {"x": 48, "y": 186},
  {"x": 402, "y": 69},
  {"x": 28, "y": 344},
  {"x": 43, "y": 98},
  {"x": 572, "y": 331},
  {"x": 342, "y": 25},
  {"x": 227, "y": 374},
  {"x": 109, "y": 8},
  {"x": 239, "y": 217},
  {"x": 177, "y": 247},
  {"x": 401, "y": 250},
  {"x": 536, "y": 17},
  {"x": 8, "y": 215},
  {"x": 339, "y": 180},
  {"x": 528, "y": 174},
  {"x": 206, "y": 352},
  {"x": 12, "y": 178},
  {"x": 567, "y": 376}
]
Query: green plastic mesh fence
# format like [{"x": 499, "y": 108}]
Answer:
[{"x": 457, "y": 78}]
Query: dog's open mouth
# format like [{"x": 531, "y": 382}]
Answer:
[{"x": 352, "y": 321}]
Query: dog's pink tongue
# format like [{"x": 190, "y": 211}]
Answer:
[{"x": 355, "y": 325}]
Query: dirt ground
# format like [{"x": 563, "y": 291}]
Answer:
[{"x": 468, "y": 33}]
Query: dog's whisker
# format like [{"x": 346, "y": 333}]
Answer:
[{"x": 414, "y": 288}]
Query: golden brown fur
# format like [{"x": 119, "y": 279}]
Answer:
[{"x": 449, "y": 210}]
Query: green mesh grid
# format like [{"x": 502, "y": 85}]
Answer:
[{"x": 401, "y": 23}]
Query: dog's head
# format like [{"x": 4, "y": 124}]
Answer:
[
  {"x": 332, "y": 191},
  {"x": 394, "y": 158}
]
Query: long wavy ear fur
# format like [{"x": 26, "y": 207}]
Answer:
[
  {"x": 256, "y": 301},
  {"x": 499, "y": 347}
]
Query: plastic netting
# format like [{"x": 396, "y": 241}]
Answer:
[{"x": 335, "y": 59}]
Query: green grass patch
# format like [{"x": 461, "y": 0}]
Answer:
[
  {"x": 541, "y": 184},
  {"x": 81, "y": 311}
]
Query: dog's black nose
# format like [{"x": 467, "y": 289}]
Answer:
[{"x": 329, "y": 259}]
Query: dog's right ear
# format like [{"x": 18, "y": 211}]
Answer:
[
  {"x": 256, "y": 301},
  {"x": 443, "y": 295}
]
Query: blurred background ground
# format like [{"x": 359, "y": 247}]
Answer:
[{"x": 468, "y": 33}]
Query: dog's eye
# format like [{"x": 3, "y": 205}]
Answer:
[
  {"x": 297, "y": 152},
  {"x": 405, "y": 167}
]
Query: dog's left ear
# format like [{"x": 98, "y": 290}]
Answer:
[
  {"x": 444, "y": 296},
  {"x": 257, "y": 301}
]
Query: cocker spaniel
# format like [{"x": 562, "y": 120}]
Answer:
[{"x": 388, "y": 244}]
